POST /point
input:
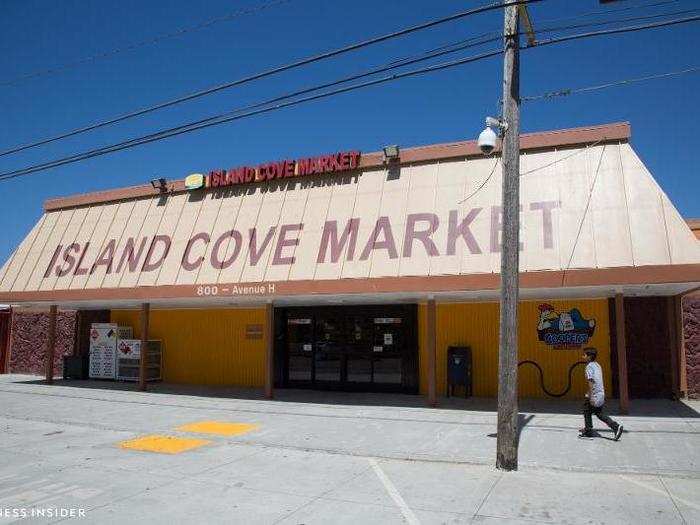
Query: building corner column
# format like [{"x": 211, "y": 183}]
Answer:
[
  {"x": 269, "y": 350},
  {"x": 431, "y": 349},
  {"x": 51, "y": 344},
  {"x": 623, "y": 385},
  {"x": 143, "y": 361},
  {"x": 680, "y": 347}
]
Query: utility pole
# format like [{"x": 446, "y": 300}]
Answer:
[{"x": 507, "y": 440}]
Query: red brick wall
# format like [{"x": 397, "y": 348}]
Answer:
[
  {"x": 29, "y": 338},
  {"x": 691, "y": 341},
  {"x": 649, "y": 347}
]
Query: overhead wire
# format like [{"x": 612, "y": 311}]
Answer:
[
  {"x": 142, "y": 43},
  {"x": 575, "y": 91},
  {"x": 451, "y": 47},
  {"x": 269, "y": 72},
  {"x": 227, "y": 117}
]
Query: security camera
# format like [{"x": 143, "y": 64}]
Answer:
[
  {"x": 488, "y": 137},
  {"x": 487, "y": 141}
]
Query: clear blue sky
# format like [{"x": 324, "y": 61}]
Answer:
[{"x": 446, "y": 106}]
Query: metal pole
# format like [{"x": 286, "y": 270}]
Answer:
[
  {"x": 51, "y": 343},
  {"x": 622, "y": 383},
  {"x": 507, "y": 441},
  {"x": 431, "y": 347},
  {"x": 269, "y": 350},
  {"x": 143, "y": 362}
]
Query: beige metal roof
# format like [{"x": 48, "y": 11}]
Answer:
[{"x": 591, "y": 215}]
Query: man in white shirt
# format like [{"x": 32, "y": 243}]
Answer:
[{"x": 595, "y": 398}]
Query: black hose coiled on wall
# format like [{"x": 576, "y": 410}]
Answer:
[{"x": 544, "y": 388}]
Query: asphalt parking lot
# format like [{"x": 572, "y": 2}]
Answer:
[{"x": 102, "y": 453}]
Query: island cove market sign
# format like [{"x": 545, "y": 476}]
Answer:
[
  {"x": 279, "y": 244},
  {"x": 333, "y": 163}
]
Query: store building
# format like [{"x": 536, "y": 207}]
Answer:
[{"x": 357, "y": 271}]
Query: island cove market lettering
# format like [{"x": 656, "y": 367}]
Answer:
[
  {"x": 333, "y": 163},
  {"x": 147, "y": 254}
]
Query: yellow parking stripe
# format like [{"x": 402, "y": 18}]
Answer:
[
  {"x": 219, "y": 428},
  {"x": 163, "y": 444}
]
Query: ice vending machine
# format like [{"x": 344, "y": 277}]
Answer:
[{"x": 104, "y": 338}]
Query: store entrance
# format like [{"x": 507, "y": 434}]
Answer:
[{"x": 358, "y": 348}]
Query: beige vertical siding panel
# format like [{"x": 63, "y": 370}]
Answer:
[
  {"x": 250, "y": 210},
  {"x": 32, "y": 277},
  {"x": 314, "y": 218},
  {"x": 270, "y": 213},
  {"x": 82, "y": 237},
  {"x": 609, "y": 210},
  {"x": 22, "y": 261},
  {"x": 224, "y": 212},
  {"x": 70, "y": 233},
  {"x": 127, "y": 219},
  {"x": 574, "y": 175},
  {"x": 295, "y": 201},
  {"x": 646, "y": 214},
  {"x": 162, "y": 219},
  {"x": 393, "y": 206},
  {"x": 341, "y": 208},
  {"x": 540, "y": 185},
  {"x": 206, "y": 219},
  {"x": 482, "y": 190},
  {"x": 449, "y": 189},
  {"x": 180, "y": 233},
  {"x": 367, "y": 203},
  {"x": 97, "y": 242},
  {"x": 135, "y": 225},
  {"x": 685, "y": 249},
  {"x": 420, "y": 199}
]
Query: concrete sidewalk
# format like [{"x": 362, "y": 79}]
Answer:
[{"x": 318, "y": 458}]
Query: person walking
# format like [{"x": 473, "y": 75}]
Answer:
[{"x": 595, "y": 398}]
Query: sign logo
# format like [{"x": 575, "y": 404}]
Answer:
[
  {"x": 564, "y": 330},
  {"x": 194, "y": 181}
]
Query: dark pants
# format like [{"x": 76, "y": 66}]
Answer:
[{"x": 589, "y": 410}]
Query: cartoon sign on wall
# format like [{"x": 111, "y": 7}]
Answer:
[{"x": 562, "y": 330}]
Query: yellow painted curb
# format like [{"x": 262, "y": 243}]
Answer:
[
  {"x": 219, "y": 428},
  {"x": 163, "y": 444}
]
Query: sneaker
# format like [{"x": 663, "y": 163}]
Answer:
[
  {"x": 584, "y": 433},
  {"x": 618, "y": 432}
]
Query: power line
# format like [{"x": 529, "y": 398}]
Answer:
[
  {"x": 602, "y": 12},
  {"x": 223, "y": 118},
  {"x": 268, "y": 72},
  {"x": 229, "y": 117},
  {"x": 575, "y": 91},
  {"x": 143, "y": 43},
  {"x": 619, "y": 30},
  {"x": 493, "y": 36}
]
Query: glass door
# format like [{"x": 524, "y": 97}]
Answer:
[
  {"x": 358, "y": 350},
  {"x": 387, "y": 350},
  {"x": 300, "y": 345},
  {"x": 328, "y": 354}
]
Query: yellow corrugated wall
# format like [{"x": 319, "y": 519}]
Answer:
[
  {"x": 205, "y": 347},
  {"x": 476, "y": 325}
]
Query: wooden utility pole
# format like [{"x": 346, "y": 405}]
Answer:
[
  {"x": 143, "y": 362},
  {"x": 507, "y": 441}
]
